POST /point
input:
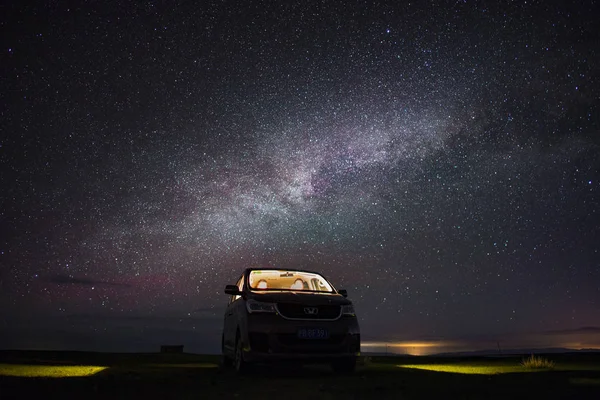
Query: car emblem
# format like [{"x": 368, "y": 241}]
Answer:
[{"x": 311, "y": 310}]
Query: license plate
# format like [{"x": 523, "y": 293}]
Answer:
[{"x": 312, "y": 333}]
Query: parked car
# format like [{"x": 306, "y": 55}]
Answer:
[{"x": 289, "y": 315}]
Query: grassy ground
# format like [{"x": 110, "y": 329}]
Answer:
[{"x": 146, "y": 376}]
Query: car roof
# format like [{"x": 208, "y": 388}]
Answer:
[{"x": 281, "y": 269}]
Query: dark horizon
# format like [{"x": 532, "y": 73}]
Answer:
[
  {"x": 202, "y": 336},
  {"x": 440, "y": 161}
]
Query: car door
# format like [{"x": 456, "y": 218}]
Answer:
[
  {"x": 230, "y": 323},
  {"x": 226, "y": 326}
]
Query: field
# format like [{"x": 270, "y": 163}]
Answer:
[{"x": 66, "y": 375}]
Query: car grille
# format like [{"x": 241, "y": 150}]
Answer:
[
  {"x": 293, "y": 340},
  {"x": 300, "y": 311}
]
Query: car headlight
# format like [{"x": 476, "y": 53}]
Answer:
[
  {"x": 348, "y": 309},
  {"x": 254, "y": 306}
]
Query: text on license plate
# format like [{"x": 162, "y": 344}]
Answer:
[{"x": 313, "y": 333}]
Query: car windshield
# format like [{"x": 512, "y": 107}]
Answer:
[{"x": 288, "y": 280}]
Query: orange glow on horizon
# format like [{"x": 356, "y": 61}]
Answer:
[
  {"x": 424, "y": 347},
  {"x": 415, "y": 348}
]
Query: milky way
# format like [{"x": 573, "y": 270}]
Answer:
[{"x": 439, "y": 161}]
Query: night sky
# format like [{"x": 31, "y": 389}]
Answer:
[{"x": 439, "y": 160}]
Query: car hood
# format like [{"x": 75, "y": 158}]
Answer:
[{"x": 300, "y": 298}]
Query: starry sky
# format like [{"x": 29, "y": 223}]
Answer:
[{"x": 439, "y": 160}]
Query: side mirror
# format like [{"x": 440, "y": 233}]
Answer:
[
  {"x": 232, "y": 290},
  {"x": 343, "y": 292}
]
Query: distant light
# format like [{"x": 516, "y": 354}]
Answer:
[
  {"x": 589, "y": 182},
  {"x": 491, "y": 368},
  {"x": 49, "y": 371}
]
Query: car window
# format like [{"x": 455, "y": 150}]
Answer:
[{"x": 288, "y": 280}]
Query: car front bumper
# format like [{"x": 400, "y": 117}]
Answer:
[
  {"x": 258, "y": 357},
  {"x": 270, "y": 339}
]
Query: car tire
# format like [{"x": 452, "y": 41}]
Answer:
[
  {"x": 344, "y": 365},
  {"x": 226, "y": 361},
  {"x": 241, "y": 366}
]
